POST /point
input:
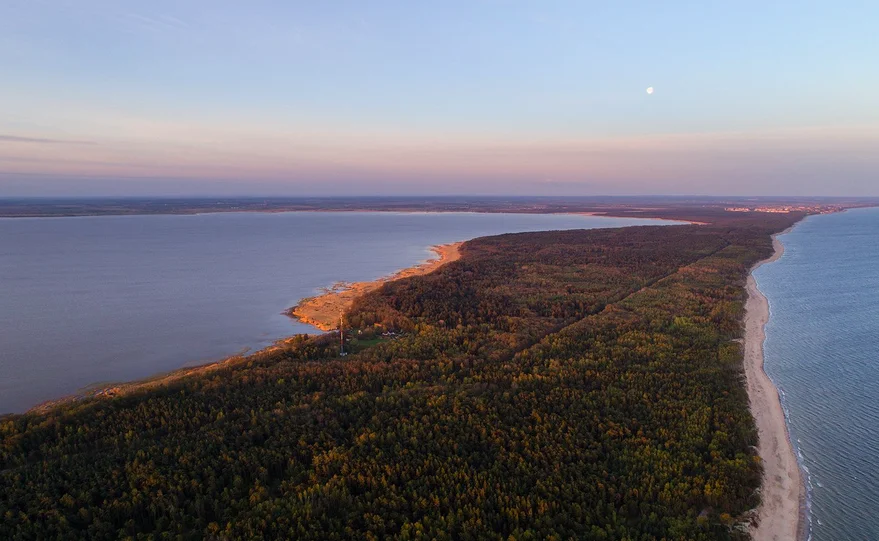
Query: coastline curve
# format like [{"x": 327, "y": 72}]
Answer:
[{"x": 781, "y": 514}]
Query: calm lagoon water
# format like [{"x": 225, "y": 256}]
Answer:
[
  {"x": 104, "y": 299},
  {"x": 822, "y": 350}
]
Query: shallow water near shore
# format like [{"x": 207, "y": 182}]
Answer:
[
  {"x": 822, "y": 351},
  {"x": 117, "y": 298}
]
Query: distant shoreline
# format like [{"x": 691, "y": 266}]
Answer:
[
  {"x": 668, "y": 207},
  {"x": 781, "y": 514},
  {"x": 610, "y": 213},
  {"x": 604, "y": 214},
  {"x": 323, "y": 311}
]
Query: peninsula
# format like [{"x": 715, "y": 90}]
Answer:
[
  {"x": 183, "y": 185},
  {"x": 567, "y": 383}
]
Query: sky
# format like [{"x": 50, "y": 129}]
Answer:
[{"x": 282, "y": 97}]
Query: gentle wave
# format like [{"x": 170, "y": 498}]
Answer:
[{"x": 822, "y": 352}]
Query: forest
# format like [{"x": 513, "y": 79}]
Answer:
[{"x": 553, "y": 385}]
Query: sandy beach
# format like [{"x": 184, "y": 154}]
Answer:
[
  {"x": 783, "y": 494},
  {"x": 322, "y": 311}
]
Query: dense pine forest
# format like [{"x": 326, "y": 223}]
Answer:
[{"x": 555, "y": 385}]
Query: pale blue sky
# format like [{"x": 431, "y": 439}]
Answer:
[{"x": 490, "y": 96}]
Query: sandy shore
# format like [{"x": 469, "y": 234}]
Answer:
[
  {"x": 783, "y": 493},
  {"x": 323, "y": 310}
]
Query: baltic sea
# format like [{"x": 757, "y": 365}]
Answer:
[{"x": 822, "y": 351}]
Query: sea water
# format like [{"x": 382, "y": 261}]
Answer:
[
  {"x": 822, "y": 351},
  {"x": 93, "y": 300}
]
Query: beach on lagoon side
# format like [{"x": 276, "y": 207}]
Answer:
[{"x": 323, "y": 311}]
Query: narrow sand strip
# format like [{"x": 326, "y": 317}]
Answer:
[
  {"x": 783, "y": 494},
  {"x": 323, "y": 310}
]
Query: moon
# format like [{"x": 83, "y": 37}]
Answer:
[{"x": 650, "y": 90}]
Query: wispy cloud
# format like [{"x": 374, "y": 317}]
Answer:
[
  {"x": 40, "y": 140},
  {"x": 154, "y": 23}
]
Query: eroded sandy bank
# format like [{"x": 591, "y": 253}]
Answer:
[{"x": 323, "y": 310}]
